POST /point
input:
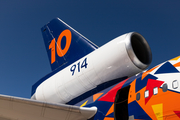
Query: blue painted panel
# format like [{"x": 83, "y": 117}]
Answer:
[
  {"x": 167, "y": 68},
  {"x": 135, "y": 109}
]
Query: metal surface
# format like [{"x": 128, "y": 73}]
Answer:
[{"x": 13, "y": 108}]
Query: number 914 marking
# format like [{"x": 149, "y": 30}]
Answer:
[{"x": 79, "y": 66}]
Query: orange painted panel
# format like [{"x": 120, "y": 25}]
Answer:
[
  {"x": 96, "y": 96},
  {"x": 111, "y": 110}
]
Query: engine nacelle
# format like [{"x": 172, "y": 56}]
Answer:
[{"x": 124, "y": 56}]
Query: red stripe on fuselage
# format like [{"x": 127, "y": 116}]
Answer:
[{"x": 110, "y": 96}]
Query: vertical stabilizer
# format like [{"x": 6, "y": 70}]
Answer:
[{"x": 64, "y": 45}]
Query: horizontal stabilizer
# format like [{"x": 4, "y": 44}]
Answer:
[{"x": 14, "y": 108}]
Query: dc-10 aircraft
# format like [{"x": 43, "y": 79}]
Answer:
[{"x": 88, "y": 82}]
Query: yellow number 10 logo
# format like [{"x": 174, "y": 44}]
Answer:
[{"x": 56, "y": 47}]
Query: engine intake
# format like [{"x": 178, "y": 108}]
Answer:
[{"x": 139, "y": 50}]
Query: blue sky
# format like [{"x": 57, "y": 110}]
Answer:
[{"x": 23, "y": 59}]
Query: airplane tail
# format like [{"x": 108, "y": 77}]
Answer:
[{"x": 64, "y": 45}]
